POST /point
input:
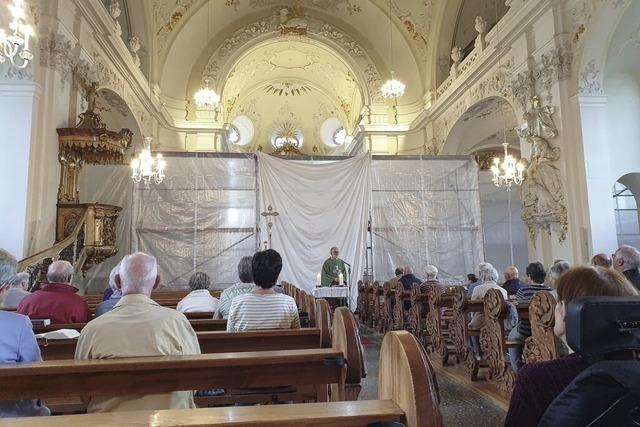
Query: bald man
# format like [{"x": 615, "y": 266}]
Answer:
[
  {"x": 56, "y": 299},
  {"x": 138, "y": 326},
  {"x": 512, "y": 282}
]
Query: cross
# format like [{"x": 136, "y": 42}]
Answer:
[{"x": 269, "y": 214}]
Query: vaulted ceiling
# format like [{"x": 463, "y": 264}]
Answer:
[{"x": 340, "y": 51}]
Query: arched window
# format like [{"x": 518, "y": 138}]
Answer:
[{"x": 626, "y": 212}]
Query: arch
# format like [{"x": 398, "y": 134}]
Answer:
[
  {"x": 480, "y": 127},
  {"x": 592, "y": 53},
  {"x": 261, "y": 22},
  {"x": 220, "y": 63},
  {"x": 626, "y": 196}
]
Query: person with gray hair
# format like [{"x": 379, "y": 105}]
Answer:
[
  {"x": 559, "y": 266},
  {"x": 138, "y": 326},
  {"x": 199, "y": 300},
  {"x": 512, "y": 282},
  {"x": 115, "y": 295},
  {"x": 15, "y": 291},
  {"x": 245, "y": 274},
  {"x": 488, "y": 276},
  {"x": 17, "y": 345},
  {"x": 56, "y": 299},
  {"x": 431, "y": 272},
  {"x": 626, "y": 260}
]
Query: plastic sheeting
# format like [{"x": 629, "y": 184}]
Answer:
[
  {"x": 319, "y": 206},
  {"x": 204, "y": 216},
  {"x": 426, "y": 210}
]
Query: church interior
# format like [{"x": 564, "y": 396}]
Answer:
[{"x": 320, "y": 212}]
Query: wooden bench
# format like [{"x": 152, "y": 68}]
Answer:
[
  {"x": 213, "y": 342},
  {"x": 152, "y": 375},
  {"x": 417, "y": 314},
  {"x": 207, "y": 324},
  {"x": 407, "y": 393},
  {"x": 460, "y": 332},
  {"x": 542, "y": 344},
  {"x": 438, "y": 318},
  {"x": 493, "y": 340},
  {"x": 388, "y": 300},
  {"x": 401, "y": 295}
]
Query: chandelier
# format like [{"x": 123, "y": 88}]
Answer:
[
  {"x": 145, "y": 168},
  {"x": 392, "y": 88},
  {"x": 16, "y": 44},
  {"x": 507, "y": 171},
  {"x": 206, "y": 97}
]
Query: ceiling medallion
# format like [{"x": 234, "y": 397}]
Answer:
[{"x": 287, "y": 89}]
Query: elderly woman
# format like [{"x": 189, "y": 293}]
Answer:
[
  {"x": 114, "y": 295},
  {"x": 245, "y": 285},
  {"x": 14, "y": 291},
  {"x": 488, "y": 277},
  {"x": 199, "y": 300},
  {"x": 538, "y": 384}
]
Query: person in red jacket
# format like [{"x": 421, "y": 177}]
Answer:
[{"x": 56, "y": 299}]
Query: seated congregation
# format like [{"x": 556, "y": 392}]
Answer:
[
  {"x": 141, "y": 351},
  {"x": 263, "y": 343},
  {"x": 528, "y": 336}
]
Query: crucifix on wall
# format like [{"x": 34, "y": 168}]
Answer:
[{"x": 269, "y": 214}]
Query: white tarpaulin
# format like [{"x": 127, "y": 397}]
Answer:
[{"x": 319, "y": 206}]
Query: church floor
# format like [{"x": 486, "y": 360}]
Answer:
[{"x": 460, "y": 405}]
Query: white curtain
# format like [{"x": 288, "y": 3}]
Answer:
[{"x": 319, "y": 206}]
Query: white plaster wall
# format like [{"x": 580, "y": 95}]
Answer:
[{"x": 16, "y": 119}]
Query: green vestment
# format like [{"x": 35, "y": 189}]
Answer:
[{"x": 330, "y": 270}]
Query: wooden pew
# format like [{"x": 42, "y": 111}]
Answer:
[
  {"x": 152, "y": 375},
  {"x": 360, "y": 301},
  {"x": 401, "y": 295},
  {"x": 406, "y": 392},
  {"x": 207, "y": 324},
  {"x": 460, "y": 332},
  {"x": 376, "y": 312},
  {"x": 221, "y": 341},
  {"x": 494, "y": 343},
  {"x": 417, "y": 314},
  {"x": 438, "y": 317},
  {"x": 388, "y": 299},
  {"x": 542, "y": 344},
  {"x": 214, "y": 342}
]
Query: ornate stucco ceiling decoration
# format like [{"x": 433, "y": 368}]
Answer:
[
  {"x": 287, "y": 88},
  {"x": 333, "y": 6},
  {"x": 486, "y": 109},
  {"x": 167, "y": 15},
  {"x": 297, "y": 80}
]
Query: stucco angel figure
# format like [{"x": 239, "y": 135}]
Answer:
[{"x": 538, "y": 129}]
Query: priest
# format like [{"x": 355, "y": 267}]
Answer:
[{"x": 332, "y": 268}]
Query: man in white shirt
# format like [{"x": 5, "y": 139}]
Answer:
[
  {"x": 137, "y": 326},
  {"x": 263, "y": 308},
  {"x": 199, "y": 300}
]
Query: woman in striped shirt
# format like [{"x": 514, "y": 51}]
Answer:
[{"x": 263, "y": 307}]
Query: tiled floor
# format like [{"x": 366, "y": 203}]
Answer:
[{"x": 460, "y": 406}]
